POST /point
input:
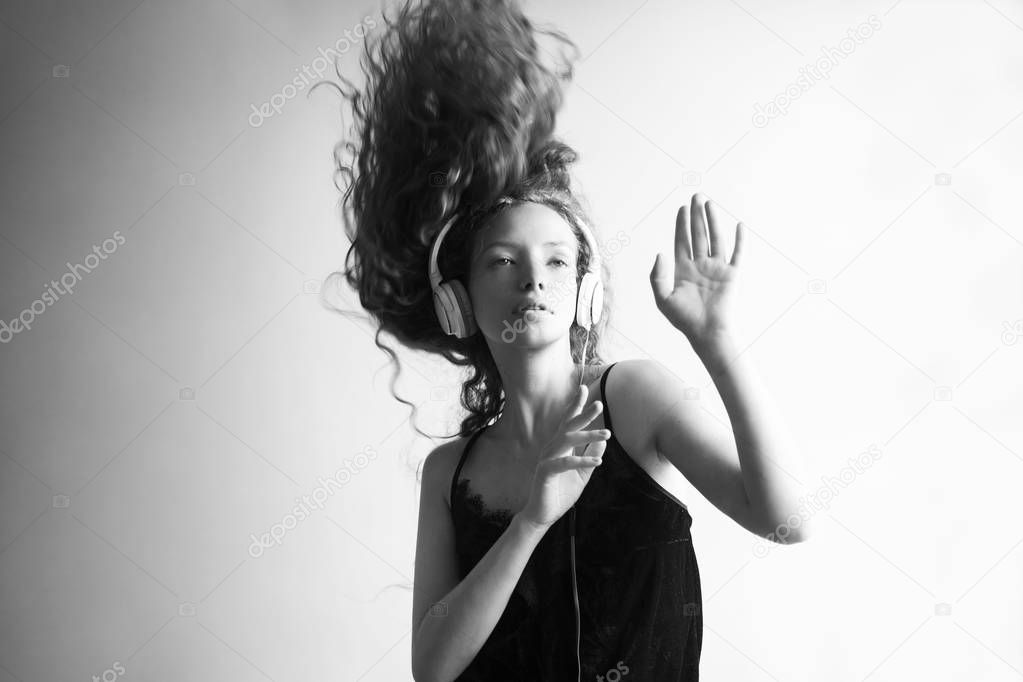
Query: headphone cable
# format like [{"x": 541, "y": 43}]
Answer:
[{"x": 571, "y": 527}]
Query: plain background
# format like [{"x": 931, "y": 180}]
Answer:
[{"x": 193, "y": 386}]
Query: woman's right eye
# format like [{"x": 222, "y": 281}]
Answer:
[{"x": 499, "y": 260}]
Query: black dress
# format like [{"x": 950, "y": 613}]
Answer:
[{"x": 638, "y": 582}]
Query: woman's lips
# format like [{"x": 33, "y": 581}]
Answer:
[{"x": 523, "y": 311}]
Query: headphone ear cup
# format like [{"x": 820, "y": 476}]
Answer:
[
  {"x": 445, "y": 307},
  {"x": 465, "y": 318},
  {"x": 597, "y": 300},
  {"x": 589, "y": 301}
]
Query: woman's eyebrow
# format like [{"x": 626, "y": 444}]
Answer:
[{"x": 511, "y": 245}]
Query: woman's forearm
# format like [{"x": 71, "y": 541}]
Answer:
[
  {"x": 767, "y": 455},
  {"x": 454, "y": 630}
]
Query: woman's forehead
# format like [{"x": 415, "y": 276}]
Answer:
[{"x": 525, "y": 224}]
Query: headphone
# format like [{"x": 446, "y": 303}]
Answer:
[{"x": 454, "y": 312}]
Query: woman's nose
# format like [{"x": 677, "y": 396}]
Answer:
[
  {"x": 534, "y": 281},
  {"x": 533, "y": 276}
]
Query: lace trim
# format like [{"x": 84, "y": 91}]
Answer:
[{"x": 474, "y": 503}]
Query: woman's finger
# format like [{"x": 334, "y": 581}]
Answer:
[
  {"x": 573, "y": 409},
  {"x": 683, "y": 249},
  {"x": 717, "y": 249},
  {"x": 595, "y": 449},
  {"x": 740, "y": 231},
  {"x": 568, "y": 462},
  {"x": 698, "y": 223},
  {"x": 574, "y": 439},
  {"x": 585, "y": 417},
  {"x": 577, "y": 405}
]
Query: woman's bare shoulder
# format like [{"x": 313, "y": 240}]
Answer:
[
  {"x": 445, "y": 457},
  {"x": 631, "y": 413}
]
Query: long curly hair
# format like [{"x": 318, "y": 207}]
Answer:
[{"x": 457, "y": 111}]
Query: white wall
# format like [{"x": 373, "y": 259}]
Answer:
[{"x": 192, "y": 386}]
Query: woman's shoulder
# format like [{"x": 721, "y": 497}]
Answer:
[
  {"x": 621, "y": 380},
  {"x": 627, "y": 376},
  {"x": 629, "y": 407},
  {"x": 594, "y": 374},
  {"x": 443, "y": 460},
  {"x": 619, "y": 388}
]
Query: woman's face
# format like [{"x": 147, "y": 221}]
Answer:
[{"x": 527, "y": 252}]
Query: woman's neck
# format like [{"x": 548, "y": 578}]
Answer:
[{"x": 536, "y": 401}]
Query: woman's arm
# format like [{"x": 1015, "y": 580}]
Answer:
[
  {"x": 754, "y": 479},
  {"x": 771, "y": 471},
  {"x": 455, "y": 628},
  {"x": 752, "y": 473}
]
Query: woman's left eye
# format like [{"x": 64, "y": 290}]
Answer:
[{"x": 562, "y": 262}]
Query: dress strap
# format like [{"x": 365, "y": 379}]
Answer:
[
  {"x": 465, "y": 453},
  {"x": 603, "y": 398}
]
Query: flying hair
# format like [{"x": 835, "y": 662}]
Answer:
[{"x": 458, "y": 110}]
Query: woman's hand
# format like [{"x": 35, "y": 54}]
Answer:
[
  {"x": 560, "y": 474},
  {"x": 697, "y": 299}
]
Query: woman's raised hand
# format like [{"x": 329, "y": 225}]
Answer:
[{"x": 561, "y": 474}]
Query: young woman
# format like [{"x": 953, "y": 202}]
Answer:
[{"x": 548, "y": 546}]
